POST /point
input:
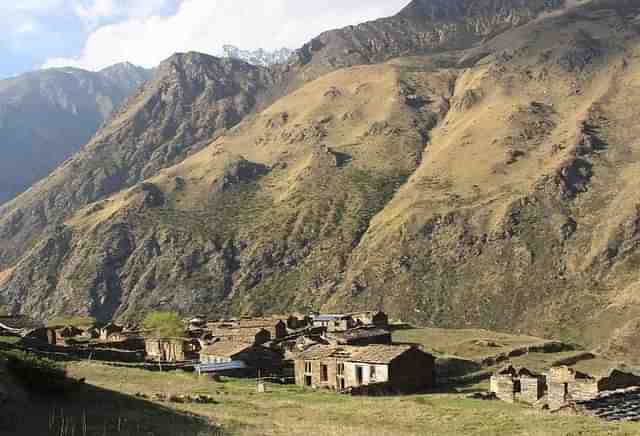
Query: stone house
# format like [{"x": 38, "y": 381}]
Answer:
[
  {"x": 276, "y": 327},
  {"x": 110, "y": 331},
  {"x": 401, "y": 367},
  {"x": 334, "y": 323},
  {"x": 253, "y": 356},
  {"x": 360, "y": 336},
  {"x": 171, "y": 349},
  {"x": 566, "y": 385},
  {"x": 511, "y": 385}
]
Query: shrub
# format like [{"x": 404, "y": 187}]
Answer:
[{"x": 164, "y": 324}]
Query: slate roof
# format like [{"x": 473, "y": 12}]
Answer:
[
  {"x": 380, "y": 354},
  {"x": 225, "y": 348}
]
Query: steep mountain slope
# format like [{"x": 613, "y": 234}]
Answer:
[
  {"x": 45, "y": 117},
  {"x": 192, "y": 98},
  {"x": 494, "y": 188}
]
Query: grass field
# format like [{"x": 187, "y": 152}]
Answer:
[{"x": 289, "y": 410}]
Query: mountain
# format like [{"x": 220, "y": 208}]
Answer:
[
  {"x": 261, "y": 57},
  {"x": 191, "y": 98},
  {"x": 486, "y": 180},
  {"x": 46, "y": 116}
]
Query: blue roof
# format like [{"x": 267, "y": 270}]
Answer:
[{"x": 218, "y": 367}]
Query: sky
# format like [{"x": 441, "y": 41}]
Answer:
[{"x": 93, "y": 34}]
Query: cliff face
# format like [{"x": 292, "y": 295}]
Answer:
[
  {"x": 46, "y": 116},
  {"x": 496, "y": 189}
]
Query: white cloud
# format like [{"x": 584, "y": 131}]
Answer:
[{"x": 145, "y": 37}]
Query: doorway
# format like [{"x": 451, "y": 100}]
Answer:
[{"x": 359, "y": 376}]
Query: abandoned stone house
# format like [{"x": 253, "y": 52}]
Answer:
[
  {"x": 401, "y": 367},
  {"x": 171, "y": 349},
  {"x": 511, "y": 385},
  {"x": 334, "y": 323},
  {"x": 111, "y": 332},
  {"x": 359, "y": 336},
  {"x": 566, "y": 385}
]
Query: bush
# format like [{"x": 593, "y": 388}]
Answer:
[
  {"x": 36, "y": 373},
  {"x": 164, "y": 324}
]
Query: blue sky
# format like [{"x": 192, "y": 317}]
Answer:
[{"x": 93, "y": 34}]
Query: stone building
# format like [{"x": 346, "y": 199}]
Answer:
[
  {"x": 401, "y": 367},
  {"x": 253, "y": 356},
  {"x": 360, "y": 336},
  {"x": 566, "y": 385},
  {"x": 171, "y": 349},
  {"x": 276, "y": 327},
  {"x": 511, "y": 385},
  {"x": 334, "y": 323}
]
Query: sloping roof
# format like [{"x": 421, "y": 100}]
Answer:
[
  {"x": 381, "y": 354},
  {"x": 378, "y": 353},
  {"x": 225, "y": 348},
  {"x": 237, "y": 331}
]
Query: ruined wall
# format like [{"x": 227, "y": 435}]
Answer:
[
  {"x": 532, "y": 389},
  {"x": 504, "y": 387}
]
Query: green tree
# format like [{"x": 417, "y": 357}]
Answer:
[{"x": 164, "y": 324}]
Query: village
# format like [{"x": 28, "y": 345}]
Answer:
[{"x": 351, "y": 353}]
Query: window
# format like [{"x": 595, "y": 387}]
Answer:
[
  {"x": 372, "y": 372},
  {"x": 324, "y": 373},
  {"x": 308, "y": 368},
  {"x": 340, "y": 369}
]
